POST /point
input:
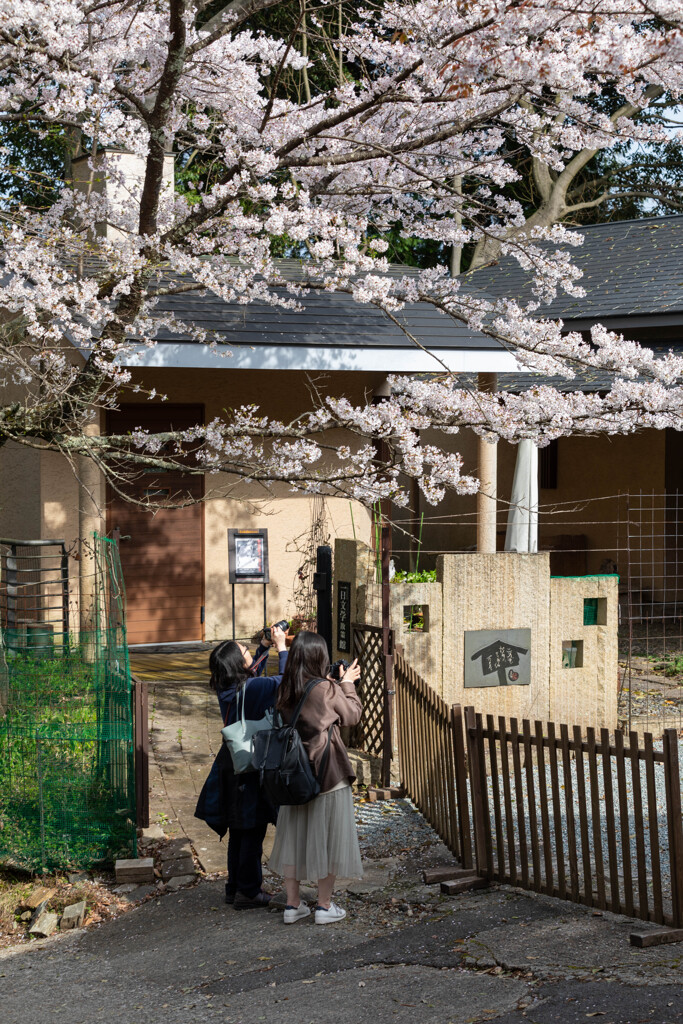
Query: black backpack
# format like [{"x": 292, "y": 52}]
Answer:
[{"x": 285, "y": 771}]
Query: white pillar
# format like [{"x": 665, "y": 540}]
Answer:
[
  {"x": 90, "y": 519},
  {"x": 488, "y": 479}
]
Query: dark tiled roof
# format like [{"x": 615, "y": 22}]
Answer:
[
  {"x": 327, "y": 318},
  {"x": 630, "y": 268}
]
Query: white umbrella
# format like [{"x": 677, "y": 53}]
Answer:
[{"x": 522, "y": 530}]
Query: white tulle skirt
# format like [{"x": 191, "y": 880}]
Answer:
[{"x": 317, "y": 839}]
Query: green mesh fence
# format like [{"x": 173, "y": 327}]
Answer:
[{"x": 67, "y": 779}]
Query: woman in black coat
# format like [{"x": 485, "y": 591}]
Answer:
[{"x": 248, "y": 813}]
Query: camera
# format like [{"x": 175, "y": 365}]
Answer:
[
  {"x": 338, "y": 669},
  {"x": 282, "y": 624}
]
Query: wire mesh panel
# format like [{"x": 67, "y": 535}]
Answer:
[
  {"x": 651, "y": 634},
  {"x": 67, "y": 783}
]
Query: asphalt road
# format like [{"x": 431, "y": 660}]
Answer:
[{"x": 497, "y": 955}]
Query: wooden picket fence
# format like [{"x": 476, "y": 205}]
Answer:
[
  {"x": 432, "y": 758},
  {"x": 583, "y": 818}
]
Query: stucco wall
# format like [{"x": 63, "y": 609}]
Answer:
[
  {"x": 422, "y": 649},
  {"x": 287, "y": 520},
  {"x": 20, "y": 510}
]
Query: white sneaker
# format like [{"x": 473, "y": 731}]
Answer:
[
  {"x": 335, "y": 913},
  {"x": 293, "y": 914}
]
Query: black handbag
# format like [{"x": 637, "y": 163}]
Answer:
[{"x": 285, "y": 771}]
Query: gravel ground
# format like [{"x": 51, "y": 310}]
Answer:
[
  {"x": 392, "y": 828},
  {"x": 658, "y": 842}
]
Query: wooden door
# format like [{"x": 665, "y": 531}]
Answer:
[{"x": 162, "y": 552}]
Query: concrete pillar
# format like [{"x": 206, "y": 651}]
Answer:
[{"x": 488, "y": 480}]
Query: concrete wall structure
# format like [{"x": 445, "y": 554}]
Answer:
[{"x": 507, "y": 591}]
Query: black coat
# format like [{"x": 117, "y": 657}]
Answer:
[{"x": 229, "y": 801}]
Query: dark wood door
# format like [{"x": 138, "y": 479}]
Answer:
[{"x": 162, "y": 552}]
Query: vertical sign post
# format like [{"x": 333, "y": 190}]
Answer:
[{"x": 248, "y": 563}]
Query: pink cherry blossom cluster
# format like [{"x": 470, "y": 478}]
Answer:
[{"x": 434, "y": 91}]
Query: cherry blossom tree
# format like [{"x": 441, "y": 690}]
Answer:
[{"x": 431, "y": 91}]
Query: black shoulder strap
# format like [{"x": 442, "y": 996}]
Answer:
[{"x": 323, "y": 761}]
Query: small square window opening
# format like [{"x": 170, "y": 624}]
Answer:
[{"x": 572, "y": 654}]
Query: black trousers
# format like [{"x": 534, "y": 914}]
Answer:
[{"x": 245, "y": 847}]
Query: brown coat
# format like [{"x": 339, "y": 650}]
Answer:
[{"x": 328, "y": 704}]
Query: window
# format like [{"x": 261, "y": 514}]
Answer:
[
  {"x": 416, "y": 618},
  {"x": 595, "y": 611},
  {"x": 572, "y": 654}
]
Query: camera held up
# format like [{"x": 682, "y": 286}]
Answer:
[
  {"x": 282, "y": 624},
  {"x": 338, "y": 668}
]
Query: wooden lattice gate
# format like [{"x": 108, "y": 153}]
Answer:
[{"x": 373, "y": 734}]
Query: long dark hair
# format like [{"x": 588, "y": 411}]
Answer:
[
  {"x": 308, "y": 659},
  {"x": 227, "y": 666}
]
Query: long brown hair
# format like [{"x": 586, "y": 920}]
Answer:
[{"x": 308, "y": 659}]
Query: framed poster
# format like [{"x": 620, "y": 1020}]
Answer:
[
  {"x": 248, "y": 556},
  {"x": 498, "y": 657}
]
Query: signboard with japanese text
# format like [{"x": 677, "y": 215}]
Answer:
[
  {"x": 344, "y": 616},
  {"x": 248, "y": 556},
  {"x": 498, "y": 657}
]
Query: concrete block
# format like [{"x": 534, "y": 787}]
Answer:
[
  {"x": 140, "y": 869},
  {"x": 78, "y": 876},
  {"x": 175, "y": 868},
  {"x": 153, "y": 834},
  {"x": 73, "y": 916},
  {"x": 175, "y": 849},
  {"x": 139, "y": 892},
  {"x": 464, "y": 885},
  {"x": 44, "y": 925},
  {"x": 179, "y": 880}
]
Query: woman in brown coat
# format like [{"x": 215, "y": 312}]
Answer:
[{"x": 318, "y": 841}]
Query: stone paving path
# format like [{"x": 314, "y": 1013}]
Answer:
[{"x": 185, "y": 723}]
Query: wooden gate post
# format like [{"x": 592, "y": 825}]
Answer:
[
  {"x": 141, "y": 748},
  {"x": 478, "y": 788},
  {"x": 387, "y": 655},
  {"x": 457, "y": 731},
  {"x": 322, "y": 584},
  {"x": 675, "y": 825}
]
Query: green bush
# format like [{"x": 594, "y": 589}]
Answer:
[{"x": 424, "y": 576}]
